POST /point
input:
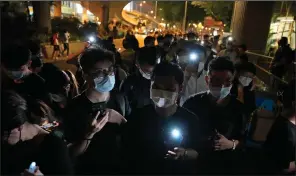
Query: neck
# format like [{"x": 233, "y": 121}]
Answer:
[
  {"x": 166, "y": 111},
  {"x": 94, "y": 96},
  {"x": 32, "y": 131}
]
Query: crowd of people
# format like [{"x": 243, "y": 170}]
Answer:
[{"x": 178, "y": 107}]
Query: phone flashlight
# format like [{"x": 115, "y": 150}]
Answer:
[
  {"x": 230, "y": 38},
  {"x": 91, "y": 39},
  {"x": 32, "y": 167},
  {"x": 176, "y": 134},
  {"x": 202, "y": 42},
  {"x": 193, "y": 56}
]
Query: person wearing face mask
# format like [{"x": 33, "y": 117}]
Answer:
[
  {"x": 221, "y": 116},
  {"x": 280, "y": 143},
  {"x": 16, "y": 75},
  {"x": 24, "y": 141},
  {"x": 166, "y": 134},
  {"x": 137, "y": 86},
  {"x": 244, "y": 87},
  {"x": 193, "y": 60},
  {"x": 93, "y": 119},
  {"x": 229, "y": 52}
]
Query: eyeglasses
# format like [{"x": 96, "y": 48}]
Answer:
[{"x": 103, "y": 72}]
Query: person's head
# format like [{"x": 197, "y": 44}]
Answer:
[
  {"x": 74, "y": 89},
  {"x": 229, "y": 45},
  {"x": 169, "y": 38},
  {"x": 242, "y": 48},
  {"x": 191, "y": 36},
  {"x": 245, "y": 72},
  {"x": 283, "y": 41},
  {"x": 16, "y": 125},
  {"x": 16, "y": 61},
  {"x": 160, "y": 40},
  {"x": 167, "y": 80},
  {"x": 149, "y": 41},
  {"x": 39, "y": 113},
  {"x": 37, "y": 56},
  {"x": 206, "y": 37},
  {"x": 65, "y": 31},
  {"x": 220, "y": 76},
  {"x": 98, "y": 69},
  {"x": 58, "y": 85},
  {"x": 147, "y": 58}
]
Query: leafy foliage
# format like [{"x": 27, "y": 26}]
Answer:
[
  {"x": 171, "y": 11},
  {"x": 220, "y": 10}
]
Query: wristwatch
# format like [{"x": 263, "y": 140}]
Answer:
[{"x": 234, "y": 145}]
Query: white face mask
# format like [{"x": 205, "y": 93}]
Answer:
[
  {"x": 145, "y": 75},
  {"x": 245, "y": 81},
  {"x": 220, "y": 93},
  {"x": 58, "y": 98},
  {"x": 201, "y": 66},
  {"x": 163, "y": 99}
]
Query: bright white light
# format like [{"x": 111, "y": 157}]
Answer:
[
  {"x": 193, "y": 56},
  {"x": 215, "y": 33},
  {"x": 79, "y": 8},
  {"x": 202, "y": 43},
  {"x": 88, "y": 12},
  {"x": 230, "y": 39},
  {"x": 91, "y": 39},
  {"x": 176, "y": 133}
]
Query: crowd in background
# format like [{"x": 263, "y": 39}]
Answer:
[{"x": 179, "y": 107}]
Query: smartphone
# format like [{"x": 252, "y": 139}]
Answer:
[
  {"x": 32, "y": 167},
  {"x": 100, "y": 114}
]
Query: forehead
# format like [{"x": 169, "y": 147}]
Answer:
[
  {"x": 102, "y": 65},
  {"x": 165, "y": 80},
  {"x": 223, "y": 75}
]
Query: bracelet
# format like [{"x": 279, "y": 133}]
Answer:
[{"x": 234, "y": 145}]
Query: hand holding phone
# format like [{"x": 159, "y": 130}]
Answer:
[
  {"x": 99, "y": 122},
  {"x": 32, "y": 167}
]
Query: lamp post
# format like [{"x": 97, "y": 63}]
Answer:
[{"x": 155, "y": 9}]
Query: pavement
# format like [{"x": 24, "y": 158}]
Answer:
[{"x": 62, "y": 64}]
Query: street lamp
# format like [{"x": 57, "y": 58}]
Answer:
[
  {"x": 151, "y": 11},
  {"x": 144, "y": 2},
  {"x": 162, "y": 19}
]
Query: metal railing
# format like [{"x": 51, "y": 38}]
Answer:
[{"x": 262, "y": 63}]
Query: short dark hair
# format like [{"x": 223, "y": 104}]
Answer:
[
  {"x": 221, "y": 64},
  {"x": 14, "y": 56},
  {"x": 13, "y": 111},
  {"x": 245, "y": 67},
  {"x": 169, "y": 69},
  {"x": 148, "y": 40},
  {"x": 147, "y": 56},
  {"x": 160, "y": 38},
  {"x": 191, "y": 35},
  {"x": 243, "y": 46},
  {"x": 91, "y": 56},
  {"x": 206, "y": 36}
]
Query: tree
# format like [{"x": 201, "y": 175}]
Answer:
[
  {"x": 171, "y": 11},
  {"x": 219, "y": 10}
]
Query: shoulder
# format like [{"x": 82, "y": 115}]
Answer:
[
  {"x": 187, "y": 114},
  {"x": 52, "y": 139},
  {"x": 33, "y": 77},
  {"x": 195, "y": 99}
]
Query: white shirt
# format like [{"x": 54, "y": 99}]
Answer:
[{"x": 67, "y": 37}]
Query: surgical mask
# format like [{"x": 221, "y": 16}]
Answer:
[
  {"x": 163, "y": 99},
  {"x": 58, "y": 98},
  {"x": 245, "y": 81},
  {"x": 145, "y": 75},
  {"x": 104, "y": 84},
  {"x": 16, "y": 75},
  {"x": 201, "y": 66},
  {"x": 220, "y": 93}
]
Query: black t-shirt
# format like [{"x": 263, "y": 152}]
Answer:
[
  {"x": 280, "y": 144},
  {"x": 227, "y": 120},
  {"x": 32, "y": 85},
  {"x": 51, "y": 155},
  {"x": 137, "y": 90},
  {"x": 147, "y": 139},
  {"x": 102, "y": 155}
]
